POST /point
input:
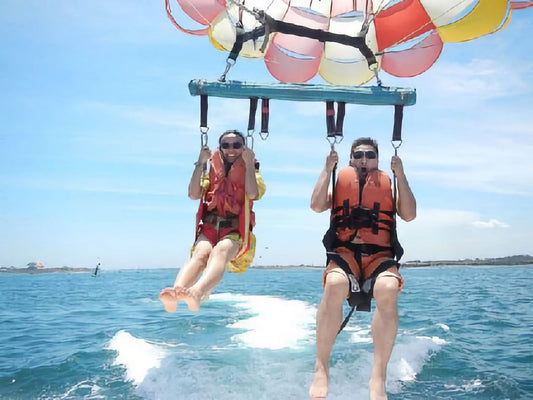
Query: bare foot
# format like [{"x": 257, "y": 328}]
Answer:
[
  {"x": 377, "y": 390},
  {"x": 319, "y": 387},
  {"x": 189, "y": 297},
  {"x": 169, "y": 299}
]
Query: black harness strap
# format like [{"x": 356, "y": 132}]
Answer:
[
  {"x": 203, "y": 111},
  {"x": 375, "y": 228},
  {"x": 330, "y": 118},
  {"x": 358, "y": 42},
  {"x": 251, "y": 116},
  {"x": 240, "y": 38},
  {"x": 396, "y": 137},
  {"x": 398, "y": 118},
  {"x": 265, "y": 112},
  {"x": 335, "y": 125},
  {"x": 341, "y": 111},
  {"x": 270, "y": 25}
]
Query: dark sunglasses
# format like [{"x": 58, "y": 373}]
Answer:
[
  {"x": 235, "y": 145},
  {"x": 370, "y": 155}
]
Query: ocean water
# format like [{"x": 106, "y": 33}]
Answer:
[{"x": 465, "y": 333}]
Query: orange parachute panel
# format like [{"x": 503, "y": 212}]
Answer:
[{"x": 400, "y": 23}]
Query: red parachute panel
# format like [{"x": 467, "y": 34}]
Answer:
[{"x": 413, "y": 61}]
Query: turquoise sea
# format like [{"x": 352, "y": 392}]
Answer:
[{"x": 465, "y": 333}]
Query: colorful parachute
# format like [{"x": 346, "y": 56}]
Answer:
[{"x": 345, "y": 41}]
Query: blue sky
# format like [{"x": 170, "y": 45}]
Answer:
[{"x": 99, "y": 135}]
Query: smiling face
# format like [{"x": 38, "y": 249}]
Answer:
[
  {"x": 231, "y": 146},
  {"x": 364, "y": 159}
]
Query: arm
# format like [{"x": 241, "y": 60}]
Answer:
[
  {"x": 406, "y": 202},
  {"x": 320, "y": 199},
  {"x": 250, "y": 180},
  {"x": 195, "y": 185}
]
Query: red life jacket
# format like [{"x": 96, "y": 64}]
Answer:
[
  {"x": 226, "y": 197},
  {"x": 363, "y": 216}
]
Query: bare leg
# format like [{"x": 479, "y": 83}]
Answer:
[
  {"x": 223, "y": 252},
  {"x": 384, "y": 331},
  {"x": 187, "y": 275},
  {"x": 328, "y": 322}
]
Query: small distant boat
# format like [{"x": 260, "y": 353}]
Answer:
[{"x": 96, "y": 269}]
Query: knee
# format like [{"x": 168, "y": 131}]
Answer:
[
  {"x": 225, "y": 249},
  {"x": 201, "y": 254},
  {"x": 335, "y": 289},
  {"x": 385, "y": 293}
]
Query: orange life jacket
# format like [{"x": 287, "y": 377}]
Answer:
[
  {"x": 226, "y": 197},
  {"x": 363, "y": 216}
]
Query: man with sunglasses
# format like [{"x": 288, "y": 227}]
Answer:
[
  {"x": 224, "y": 220},
  {"x": 362, "y": 254}
]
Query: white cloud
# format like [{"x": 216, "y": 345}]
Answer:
[
  {"x": 476, "y": 82},
  {"x": 441, "y": 234},
  {"x": 490, "y": 155},
  {"x": 492, "y": 223}
]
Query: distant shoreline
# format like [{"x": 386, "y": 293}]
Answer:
[
  {"x": 44, "y": 270},
  {"x": 502, "y": 261},
  {"x": 511, "y": 260}
]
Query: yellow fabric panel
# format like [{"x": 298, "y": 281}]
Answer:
[
  {"x": 246, "y": 254},
  {"x": 243, "y": 260},
  {"x": 485, "y": 18},
  {"x": 205, "y": 182},
  {"x": 261, "y": 187}
]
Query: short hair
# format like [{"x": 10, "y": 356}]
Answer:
[
  {"x": 363, "y": 141},
  {"x": 232, "y": 131}
]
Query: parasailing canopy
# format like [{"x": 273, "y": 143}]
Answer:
[{"x": 346, "y": 42}]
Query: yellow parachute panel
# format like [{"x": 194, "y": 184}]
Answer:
[{"x": 485, "y": 18}]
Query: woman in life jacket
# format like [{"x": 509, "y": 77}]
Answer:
[
  {"x": 362, "y": 253},
  {"x": 224, "y": 220}
]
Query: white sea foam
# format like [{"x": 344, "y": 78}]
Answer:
[
  {"x": 84, "y": 389},
  {"x": 269, "y": 323},
  {"x": 360, "y": 334},
  {"x": 468, "y": 386},
  {"x": 444, "y": 327},
  {"x": 410, "y": 354},
  {"x": 272, "y": 322},
  {"x": 137, "y": 355},
  {"x": 408, "y": 358}
]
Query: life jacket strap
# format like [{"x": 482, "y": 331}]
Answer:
[{"x": 357, "y": 218}]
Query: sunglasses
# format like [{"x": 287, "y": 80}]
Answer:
[
  {"x": 235, "y": 145},
  {"x": 370, "y": 155}
]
